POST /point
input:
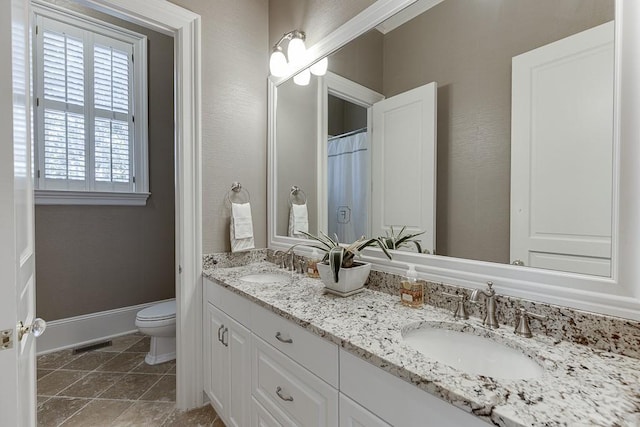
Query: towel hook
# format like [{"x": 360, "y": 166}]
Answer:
[
  {"x": 237, "y": 188},
  {"x": 294, "y": 193}
]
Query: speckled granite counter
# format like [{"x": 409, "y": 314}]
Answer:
[{"x": 581, "y": 386}]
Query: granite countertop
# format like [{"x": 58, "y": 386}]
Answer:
[{"x": 581, "y": 386}]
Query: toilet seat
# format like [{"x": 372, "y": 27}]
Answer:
[{"x": 157, "y": 313}]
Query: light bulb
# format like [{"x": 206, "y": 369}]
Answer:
[
  {"x": 296, "y": 51},
  {"x": 278, "y": 63},
  {"x": 302, "y": 78},
  {"x": 320, "y": 67}
]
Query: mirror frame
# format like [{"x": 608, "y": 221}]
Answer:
[{"x": 618, "y": 295}]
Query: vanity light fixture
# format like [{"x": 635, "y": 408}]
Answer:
[{"x": 279, "y": 64}]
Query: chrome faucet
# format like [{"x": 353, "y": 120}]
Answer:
[
  {"x": 283, "y": 256},
  {"x": 489, "y": 319}
]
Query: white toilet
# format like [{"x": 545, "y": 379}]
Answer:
[{"x": 159, "y": 322}]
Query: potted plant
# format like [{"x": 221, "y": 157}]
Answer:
[
  {"x": 397, "y": 241},
  {"x": 338, "y": 270}
]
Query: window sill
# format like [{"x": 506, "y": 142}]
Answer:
[{"x": 58, "y": 197}]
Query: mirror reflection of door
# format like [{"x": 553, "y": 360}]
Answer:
[
  {"x": 562, "y": 154},
  {"x": 348, "y": 165}
]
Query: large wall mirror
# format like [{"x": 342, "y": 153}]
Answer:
[{"x": 492, "y": 126}]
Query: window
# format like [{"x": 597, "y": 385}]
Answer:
[{"x": 90, "y": 111}]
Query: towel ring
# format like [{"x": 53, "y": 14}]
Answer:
[
  {"x": 295, "y": 194},
  {"x": 237, "y": 189}
]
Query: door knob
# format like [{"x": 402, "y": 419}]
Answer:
[{"x": 37, "y": 328}]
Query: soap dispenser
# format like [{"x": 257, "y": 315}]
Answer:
[
  {"x": 312, "y": 265},
  {"x": 412, "y": 289}
]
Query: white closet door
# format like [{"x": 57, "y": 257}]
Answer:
[
  {"x": 561, "y": 154},
  {"x": 403, "y": 171}
]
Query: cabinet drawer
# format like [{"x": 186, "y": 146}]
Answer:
[
  {"x": 260, "y": 417},
  {"x": 234, "y": 305},
  {"x": 291, "y": 394},
  {"x": 311, "y": 351},
  {"x": 354, "y": 415},
  {"x": 395, "y": 401}
]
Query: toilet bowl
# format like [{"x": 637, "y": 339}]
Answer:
[{"x": 159, "y": 322}]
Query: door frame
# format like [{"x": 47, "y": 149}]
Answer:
[
  {"x": 185, "y": 27},
  {"x": 350, "y": 91}
]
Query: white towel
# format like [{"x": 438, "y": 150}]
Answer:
[
  {"x": 241, "y": 227},
  {"x": 298, "y": 220}
]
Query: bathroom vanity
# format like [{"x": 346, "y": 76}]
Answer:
[{"x": 282, "y": 352}]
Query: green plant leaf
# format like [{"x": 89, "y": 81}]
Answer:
[{"x": 335, "y": 261}]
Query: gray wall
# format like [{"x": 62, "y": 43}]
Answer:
[
  {"x": 361, "y": 60},
  {"x": 317, "y": 18},
  {"x": 95, "y": 258},
  {"x": 472, "y": 65},
  {"x": 296, "y": 150},
  {"x": 235, "y": 65},
  {"x": 343, "y": 116}
]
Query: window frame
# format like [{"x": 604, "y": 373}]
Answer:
[{"x": 93, "y": 194}]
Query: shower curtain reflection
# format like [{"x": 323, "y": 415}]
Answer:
[{"x": 348, "y": 197}]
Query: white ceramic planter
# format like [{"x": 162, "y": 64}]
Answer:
[{"x": 349, "y": 279}]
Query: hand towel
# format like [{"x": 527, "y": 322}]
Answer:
[
  {"x": 298, "y": 220},
  {"x": 241, "y": 229}
]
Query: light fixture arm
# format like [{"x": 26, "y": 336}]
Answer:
[{"x": 295, "y": 34}]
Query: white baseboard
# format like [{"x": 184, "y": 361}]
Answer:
[{"x": 89, "y": 328}]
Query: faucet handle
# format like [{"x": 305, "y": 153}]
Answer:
[
  {"x": 460, "y": 312},
  {"x": 522, "y": 322}
]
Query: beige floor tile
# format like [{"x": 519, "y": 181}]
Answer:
[
  {"x": 123, "y": 362},
  {"x": 141, "y": 346},
  {"x": 98, "y": 413},
  {"x": 162, "y": 368},
  {"x": 145, "y": 414},
  {"x": 56, "y": 360},
  {"x": 172, "y": 370},
  {"x": 201, "y": 417},
  {"x": 130, "y": 387},
  {"x": 89, "y": 361},
  {"x": 218, "y": 423},
  {"x": 41, "y": 400},
  {"x": 119, "y": 344},
  {"x": 56, "y": 381},
  {"x": 57, "y": 409},
  {"x": 91, "y": 385},
  {"x": 163, "y": 391},
  {"x": 44, "y": 372}
]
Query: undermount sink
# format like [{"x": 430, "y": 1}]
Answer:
[
  {"x": 471, "y": 353},
  {"x": 266, "y": 278}
]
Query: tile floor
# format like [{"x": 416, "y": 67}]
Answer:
[{"x": 112, "y": 386}]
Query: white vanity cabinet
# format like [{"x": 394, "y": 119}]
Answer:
[
  {"x": 265, "y": 371},
  {"x": 227, "y": 356},
  {"x": 354, "y": 415}
]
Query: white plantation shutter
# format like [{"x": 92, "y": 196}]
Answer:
[{"x": 84, "y": 82}]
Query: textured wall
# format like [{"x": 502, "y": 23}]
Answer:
[
  {"x": 467, "y": 48},
  {"x": 317, "y": 18},
  {"x": 235, "y": 61},
  {"x": 361, "y": 60},
  {"x": 95, "y": 258}
]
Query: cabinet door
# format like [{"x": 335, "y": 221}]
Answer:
[
  {"x": 238, "y": 340},
  {"x": 354, "y": 415},
  {"x": 260, "y": 417},
  {"x": 216, "y": 359}
]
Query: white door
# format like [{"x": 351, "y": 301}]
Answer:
[
  {"x": 17, "y": 267},
  {"x": 561, "y": 154},
  {"x": 403, "y": 169}
]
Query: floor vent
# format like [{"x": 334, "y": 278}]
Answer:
[{"x": 92, "y": 347}]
